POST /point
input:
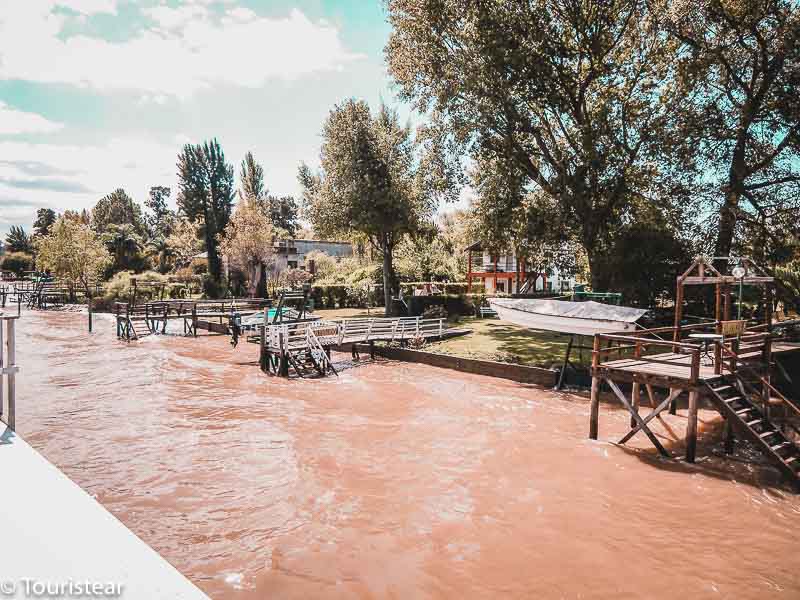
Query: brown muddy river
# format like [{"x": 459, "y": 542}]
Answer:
[{"x": 393, "y": 481}]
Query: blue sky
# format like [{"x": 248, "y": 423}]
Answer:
[{"x": 100, "y": 94}]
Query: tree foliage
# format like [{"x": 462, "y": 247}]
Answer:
[
  {"x": 45, "y": 217},
  {"x": 247, "y": 242},
  {"x": 116, "y": 209},
  {"x": 160, "y": 218},
  {"x": 368, "y": 182},
  {"x": 72, "y": 251},
  {"x": 206, "y": 192},
  {"x": 740, "y": 62},
  {"x": 184, "y": 243},
  {"x": 570, "y": 95},
  {"x": 17, "y": 240}
]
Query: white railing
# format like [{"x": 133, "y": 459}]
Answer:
[
  {"x": 8, "y": 369},
  {"x": 294, "y": 335},
  {"x": 317, "y": 351}
]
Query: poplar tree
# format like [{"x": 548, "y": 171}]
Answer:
[{"x": 206, "y": 192}]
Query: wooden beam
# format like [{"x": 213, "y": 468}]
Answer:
[
  {"x": 650, "y": 417},
  {"x": 691, "y": 427},
  {"x": 618, "y": 393}
]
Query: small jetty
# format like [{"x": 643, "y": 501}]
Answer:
[
  {"x": 137, "y": 320},
  {"x": 725, "y": 363},
  {"x": 303, "y": 348}
]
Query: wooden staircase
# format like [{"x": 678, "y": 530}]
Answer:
[{"x": 734, "y": 397}]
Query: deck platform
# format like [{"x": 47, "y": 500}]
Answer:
[
  {"x": 55, "y": 533},
  {"x": 669, "y": 366}
]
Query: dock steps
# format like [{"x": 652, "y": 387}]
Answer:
[{"x": 749, "y": 419}]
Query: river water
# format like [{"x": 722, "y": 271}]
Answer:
[{"x": 392, "y": 480}]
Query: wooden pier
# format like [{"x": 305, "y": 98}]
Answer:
[
  {"x": 137, "y": 320},
  {"x": 728, "y": 368},
  {"x": 303, "y": 348}
]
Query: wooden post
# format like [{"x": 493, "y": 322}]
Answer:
[
  {"x": 495, "y": 275},
  {"x": 691, "y": 427},
  {"x": 676, "y": 336},
  {"x": 263, "y": 345},
  {"x": 768, "y": 307},
  {"x": 594, "y": 417},
  {"x": 726, "y": 310},
  {"x": 691, "y": 424},
  {"x": 718, "y": 328},
  {"x": 89, "y": 306},
  {"x": 765, "y": 388},
  {"x": 469, "y": 271},
  {"x": 729, "y": 437},
  {"x": 635, "y": 392}
]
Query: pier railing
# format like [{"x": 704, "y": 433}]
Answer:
[
  {"x": 8, "y": 369},
  {"x": 345, "y": 331}
]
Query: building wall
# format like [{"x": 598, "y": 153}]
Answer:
[
  {"x": 507, "y": 280},
  {"x": 292, "y": 253}
]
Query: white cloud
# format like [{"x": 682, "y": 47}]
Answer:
[
  {"x": 13, "y": 121},
  {"x": 75, "y": 177},
  {"x": 89, "y": 7},
  {"x": 186, "y": 49}
]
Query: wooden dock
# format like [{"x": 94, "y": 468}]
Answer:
[
  {"x": 727, "y": 364},
  {"x": 304, "y": 347},
  {"x": 137, "y": 320}
]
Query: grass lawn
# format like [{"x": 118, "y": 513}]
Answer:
[
  {"x": 491, "y": 339},
  {"x": 494, "y": 339}
]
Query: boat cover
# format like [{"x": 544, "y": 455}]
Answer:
[{"x": 585, "y": 318}]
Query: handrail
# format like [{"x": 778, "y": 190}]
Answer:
[
  {"x": 638, "y": 340},
  {"x": 741, "y": 365}
]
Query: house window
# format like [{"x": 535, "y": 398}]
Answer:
[{"x": 292, "y": 264}]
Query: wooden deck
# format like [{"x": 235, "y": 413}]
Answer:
[{"x": 670, "y": 366}]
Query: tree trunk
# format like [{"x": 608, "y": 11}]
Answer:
[
  {"x": 599, "y": 278},
  {"x": 254, "y": 278},
  {"x": 388, "y": 280},
  {"x": 89, "y": 306},
  {"x": 727, "y": 227},
  {"x": 214, "y": 264}
]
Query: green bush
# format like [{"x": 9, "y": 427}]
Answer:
[
  {"x": 120, "y": 287},
  {"x": 17, "y": 262}
]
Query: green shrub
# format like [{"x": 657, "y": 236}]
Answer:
[{"x": 17, "y": 262}]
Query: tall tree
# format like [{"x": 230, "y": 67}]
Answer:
[
  {"x": 74, "y": 252},
  {"x": 281, "y": 210},
  {"x": 284, "y": 213},
  {"x": 17, "y": 240},
  {"x": 160, "y": 218},
  {"x": 45, "y": 217},
  {"x": 252, "y": 176},
  {"x": 206, "y": 195},
  {"x": 248, "y": 242},
  {"x": 570, "y": 91},
  {"x": 117, "y": 208},
  {"x": 368, "y": 183},
  {"x": 125, "y": 246},
  {"x": 742, "y": 60}
]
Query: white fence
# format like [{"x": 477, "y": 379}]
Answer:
[{"x": 330, "y": 333}]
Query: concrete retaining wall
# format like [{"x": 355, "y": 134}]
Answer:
[{"x": 520, "y": 373}]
